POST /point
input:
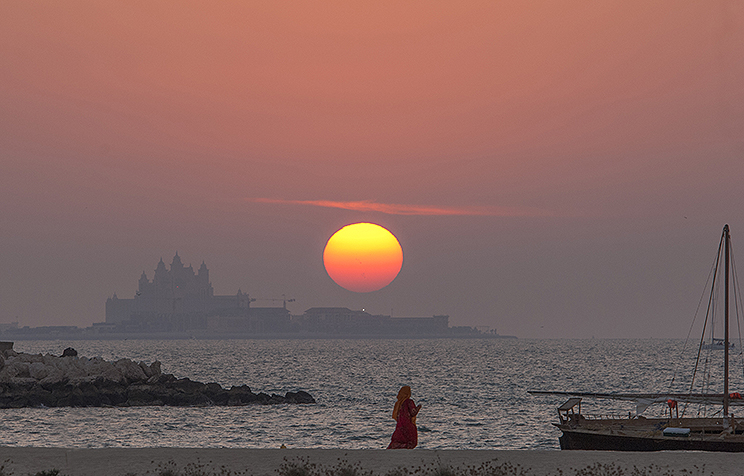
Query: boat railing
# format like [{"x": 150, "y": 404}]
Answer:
[
  {"x": 571, "y": 411},
  {"x": 607, "y": 416}
]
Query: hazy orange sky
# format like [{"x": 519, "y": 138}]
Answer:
[{"x": 550, "y": 168}]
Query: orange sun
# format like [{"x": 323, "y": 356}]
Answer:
[{"x": 363, "y": 257}]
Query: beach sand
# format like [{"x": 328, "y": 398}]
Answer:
[{"x": 123, "y": 461}]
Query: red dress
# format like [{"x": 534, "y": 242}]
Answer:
[{"x": 406, "y": 434}]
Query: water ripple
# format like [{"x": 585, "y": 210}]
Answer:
[{"x": 473, "y": 392}]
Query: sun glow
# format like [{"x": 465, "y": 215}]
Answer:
[{"x": 363, "y": 257}]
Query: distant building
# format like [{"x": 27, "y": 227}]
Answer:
[
  {"x": 6, "y": 326},
  {"x": 176, "y": 299},
  {"x": 179, "y": 299},
  {"x": 434, "y": 325},
  {"x": 344, "y": 321},
  {"x": 251, "y": 320}
]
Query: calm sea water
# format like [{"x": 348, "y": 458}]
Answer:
[{"x": 473, "y": 392}]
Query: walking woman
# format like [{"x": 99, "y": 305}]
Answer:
[{"x": 404, "y": 413}]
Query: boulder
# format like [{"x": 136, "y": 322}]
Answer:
[
  {"x": 38, "y": 370},
  {"x": 185, "y": 385},
  {"x": 299, "y": 397},
  {"x": 155, "y": 368},
  {"x": 130, "y": 371},
  {"x": 52, "y": 377},
  {"x": 217, "y": 395},
  {"x": 146, "y": 369}
]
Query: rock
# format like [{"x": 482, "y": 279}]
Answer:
[
  {"x": 38, "y": 370},
  {"x": 155, "y": 368},
  {"x": 38, "y": 397},
  {"x": 217, "y": 394},
  {"x": 299, "y": 397},
  {"x": 131, "y": 371},
  {"x": 18, "y": 402},
  {"x": 69, "y": 352},
  {"x": 274, "y": 399},
  {"x": 30, "y": 358},
  {"x": 165, "y": 378},
  {"x": 186, "y": 385},
  {"x": 140, "y": 395},
  {"x": 146, "y": 369},
  {"x": 111, "y": 374},
  {"x": 152, "y": 370},
  {"x": 187, "y": 399},
  {"x": 241, "y": 395},
  {"x": 54, "y": 376},
  {"x": 33, "y": 380}
]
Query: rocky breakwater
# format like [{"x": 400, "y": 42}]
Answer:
[{"x": 35, "y": 380}]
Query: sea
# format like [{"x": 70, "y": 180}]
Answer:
[{"x": 474, "y": 392}]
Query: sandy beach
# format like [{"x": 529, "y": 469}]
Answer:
[{"x": 140, "y": 461}]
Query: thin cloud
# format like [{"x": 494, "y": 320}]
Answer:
[{"x": 402, "y": 209}]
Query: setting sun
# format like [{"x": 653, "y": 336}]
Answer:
[{"x": 363, "y": 257}]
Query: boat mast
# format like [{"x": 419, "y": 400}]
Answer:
[{"x": 726, "y": 321}]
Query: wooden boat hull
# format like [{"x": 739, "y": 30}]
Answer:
[{"x": 583, "y": 440}]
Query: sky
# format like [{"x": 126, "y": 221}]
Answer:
[{"x": 551, "y": 169}]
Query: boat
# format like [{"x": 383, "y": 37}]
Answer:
[
  {"x": 713, "y": 429},
  {"x": 717, "y": 344}
]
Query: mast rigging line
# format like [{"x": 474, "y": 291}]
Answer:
[
  {"x": 707, "y": 315},
  {"x": 737, "y": 305},
  {"x": 711, "y": 274}
]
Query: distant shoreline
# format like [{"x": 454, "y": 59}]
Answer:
[
  {"x": 140, "y": 461},
  {"x": 233, "y": 336}
]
